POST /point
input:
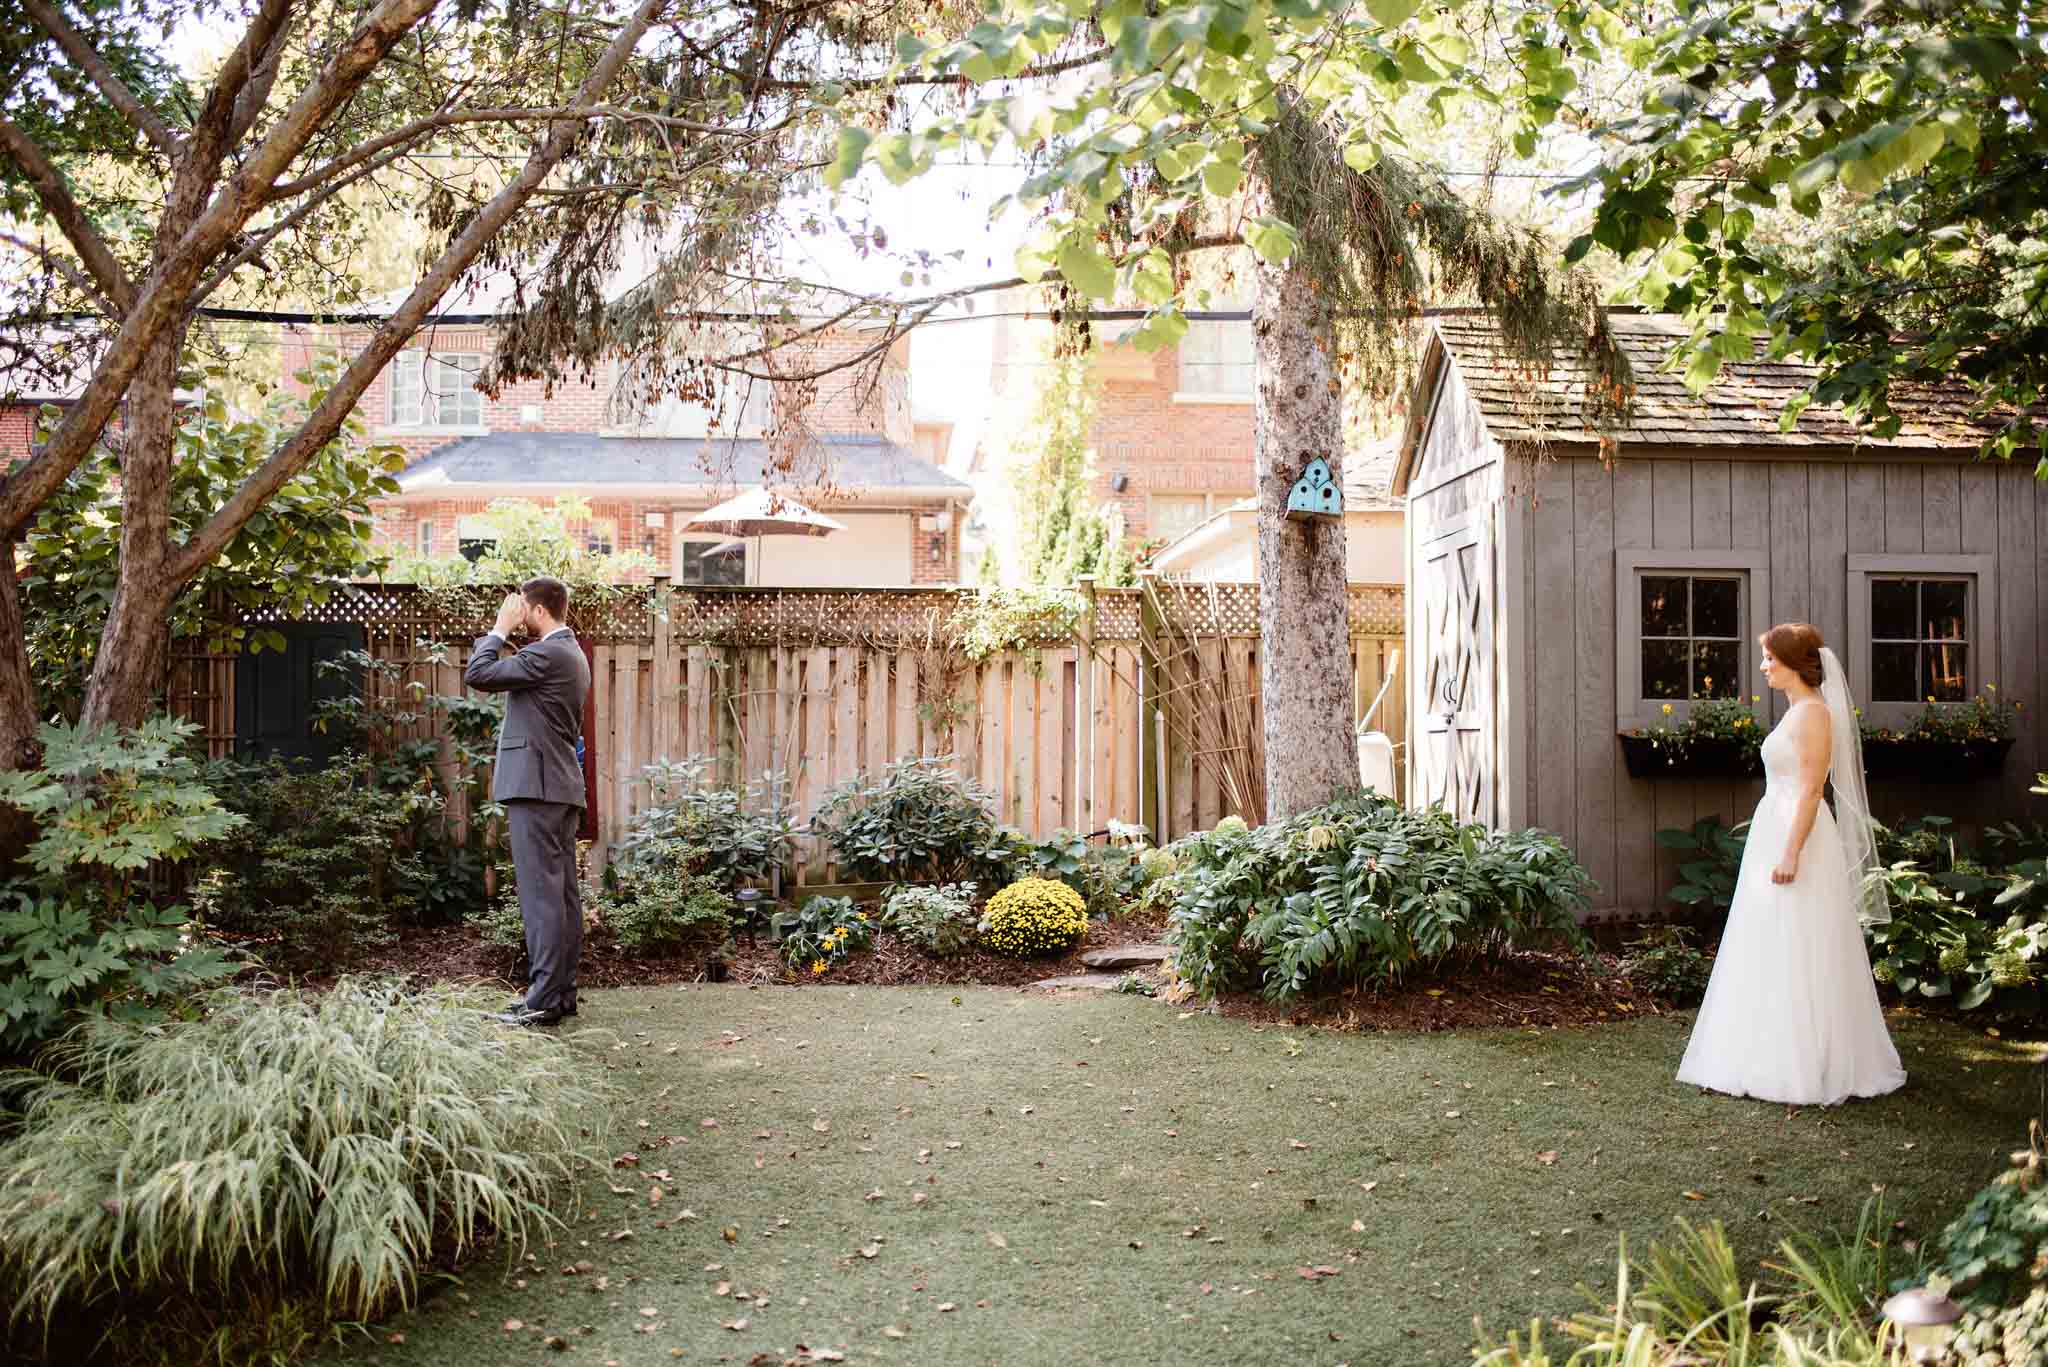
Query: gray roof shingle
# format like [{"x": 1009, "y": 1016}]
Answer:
[
  {"x": 1523, "y": 403},
  {"x": 855, "y": 463}
]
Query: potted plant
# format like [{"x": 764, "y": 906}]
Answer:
[
  {"x": 1718, "y": 738},
  {"x": 1947, "y": 743}
]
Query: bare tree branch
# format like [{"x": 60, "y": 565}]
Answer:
[
  {"x": 164, "y": 297},
  {"x": 79, "y": 280},
  {"x": 325, "y": 421},
  {"x": 55, "y": 197},
  {"x": 88, "y": 60},
  {"x": 419, "y": 128}
]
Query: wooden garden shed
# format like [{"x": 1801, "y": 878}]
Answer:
[{"x": 1558, "y": 600}]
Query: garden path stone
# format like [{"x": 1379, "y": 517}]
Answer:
[
  {"x": 1127, "y": 956},
  {"x": 1100, "y": 982}
]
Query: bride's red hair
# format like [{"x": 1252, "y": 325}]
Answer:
[{"x": 1796, "y": 645}]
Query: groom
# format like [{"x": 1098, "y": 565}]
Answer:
[{"x": 539, "y": 780}]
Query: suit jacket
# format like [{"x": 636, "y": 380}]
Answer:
[{"x": 544, "y": 687}]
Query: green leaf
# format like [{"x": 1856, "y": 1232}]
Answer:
[
  {"x": 853, "y": 146},
  {"x": 1868, "y": 160},
  {"x": 1392, "y": 13},
  {"x": 1273, "y": 240},
  {"x": 1083, "y": 266}
]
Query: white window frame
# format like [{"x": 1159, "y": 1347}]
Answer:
[
  {"x": 1631, "y": 708},
  {"x": 423, "y": 537},
  {"x": 1212, "y": 504},
  {"x": 412, "y": 417},
  {"x": 1980, "y": 627},
  {"x": 709, "y": 540},
  {"x": 744, "y": 407},
  {"x": 1201, "y": 364}
]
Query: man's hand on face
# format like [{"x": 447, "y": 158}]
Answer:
[{"x": 511, "y": 615}]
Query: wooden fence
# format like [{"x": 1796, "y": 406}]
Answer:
[{"x": 1145, "y": 712}]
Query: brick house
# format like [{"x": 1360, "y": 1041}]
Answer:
[
  {"x": 643, "y": 473},
  {"x": 1172, "y": 440}
]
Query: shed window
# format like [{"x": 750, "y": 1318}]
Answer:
[
  {"x": 1691, "y": 644},
  {"x": 1922, "y": 628},
  {"x": 1919, "y": 639},
  {"x": 1216, "y": 359},
  {"x": 1684, "y": 624}
]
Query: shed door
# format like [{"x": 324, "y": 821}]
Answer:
[{"x": 1454, "y": 711}]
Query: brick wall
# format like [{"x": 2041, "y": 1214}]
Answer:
[
  {"x": 17, "y": 432},
  {"x": 1158, "y": 445}
]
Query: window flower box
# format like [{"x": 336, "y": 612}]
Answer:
[
  {"x": 1703, "y": 758},
  {"x": 1719, "y": 739},
  {"x": 1910, "y": 760}
]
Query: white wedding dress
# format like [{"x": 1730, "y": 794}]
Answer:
[{"x": 1791, "y": 1011}]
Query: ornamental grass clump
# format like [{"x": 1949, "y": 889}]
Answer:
[
  {"x": 1034, "y": 916},
  {"x": 284, "y": 1149}
]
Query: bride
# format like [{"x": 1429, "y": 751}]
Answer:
[{"x": 1791, "y": 1012}]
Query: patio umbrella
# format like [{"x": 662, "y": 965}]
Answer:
[{"x": 758, "y": 512}]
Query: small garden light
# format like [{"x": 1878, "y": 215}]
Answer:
[{"x": 1925, "y": 1320}]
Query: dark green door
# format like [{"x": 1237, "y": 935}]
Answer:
[{"x": 278, "y": 692}]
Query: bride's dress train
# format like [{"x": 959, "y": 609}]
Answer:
[{"x": 1791, "y": 1012}]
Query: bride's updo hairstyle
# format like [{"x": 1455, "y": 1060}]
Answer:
[{"x": 1796, "y": 645}]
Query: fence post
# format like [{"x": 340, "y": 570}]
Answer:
[
  {"x": 665, "y": 689},
  {"x": 1152, "y": 803},
  {"x": 1082, "y": 817}
]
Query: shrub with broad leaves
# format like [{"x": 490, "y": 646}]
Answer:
[
  {"x": 82, "y": 933},
  {"x": 939, "y": 920},
  {"x": 1361, "y": 893}
]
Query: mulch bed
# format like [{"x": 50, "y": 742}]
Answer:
[{"x": 1529, "y": 989}]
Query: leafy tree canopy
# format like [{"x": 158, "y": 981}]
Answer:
[{"x": 1918, "y": 129}]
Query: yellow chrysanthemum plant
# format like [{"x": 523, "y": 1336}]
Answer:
[{"x": 1034, "y": 916}]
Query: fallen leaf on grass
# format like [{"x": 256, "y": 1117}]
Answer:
[
  {"x": 1296, "y": 1144},
  {"x": 1358, "y": 1226},
  {"x": 1693, "y": 1195},
  {"x": 870, "y": 1250},
  {"x": 708, "y": 1123},
  {"x": 947, "y": 1307},
  {"x": 649, "y": 1311},
  {"x": 626, "y": 1160},
  {"x": 514, "y": 1326},
  {"x": 1452, "y": 1115},
  {"x": 654, "y": 1196},
  {"x": 1547, "y": 1157},
  {"x": 822, "y": 1125},
  {"x": 736, "y": 1325},
  {"x": 891, "y": 1331},
  {"x": 996, "y": 1240},
  {"x": 722, "y": 1289},
  {"x": 731, "y": 1234},
  {"x": 1367, "y": 1186},
  {"x": 874, "y": 1195},
  {"x": 1316, "y": 1274},
  {"x": 820, "y": 1354},
  {"x": 919, "y": 1199}
]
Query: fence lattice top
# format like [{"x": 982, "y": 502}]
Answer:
[{"x": 769, "y": 616}]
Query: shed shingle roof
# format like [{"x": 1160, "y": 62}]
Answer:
[
  {"x": 1742, "y": 408},
  {"x": 856, "y": 464}
]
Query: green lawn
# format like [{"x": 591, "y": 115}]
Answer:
[{"x": 1105, "y": 1180}]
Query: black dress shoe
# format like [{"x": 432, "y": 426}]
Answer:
[
  {"x": 517, "y": 1006},
  {"x": 527, "y": 1018}
]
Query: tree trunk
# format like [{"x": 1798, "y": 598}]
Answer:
[
  {"x": 1305, "y": 639},
  {"x": 134, "y": 651},
  {"x": 18, "y": 709}
]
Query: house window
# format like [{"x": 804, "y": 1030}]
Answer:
[
  {"x": 476, "y": 536},
  {"x": 1216, "y": 360},
  {"x": 1920, "y": 631},
  {"x": 426, "y": 538},
  {"x": 599, "y": 536},
  {"x": 1175, "y": 515},
  {"x": 714, "y": 564},
  {"x": 1691, "y": 641},
  {"x": 436, "y": 390},
  {"x": 1684, "y": 629}
]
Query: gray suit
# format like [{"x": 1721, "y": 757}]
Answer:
[{"x": 538, "y": 779}]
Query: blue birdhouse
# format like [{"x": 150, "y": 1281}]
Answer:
[{"x": 1316, "y": 493}]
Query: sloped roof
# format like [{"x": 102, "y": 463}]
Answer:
[
  {"x": 1741, "y": 409},
  {"x": 1369, "y": 476},
  {"x": 857, "y": 464}
]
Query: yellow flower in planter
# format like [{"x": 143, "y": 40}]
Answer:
[
  {"x": 818, "y": 966},
  {"x": 1667, "y": 709},
  {"x": 1033, "y": 916}
]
